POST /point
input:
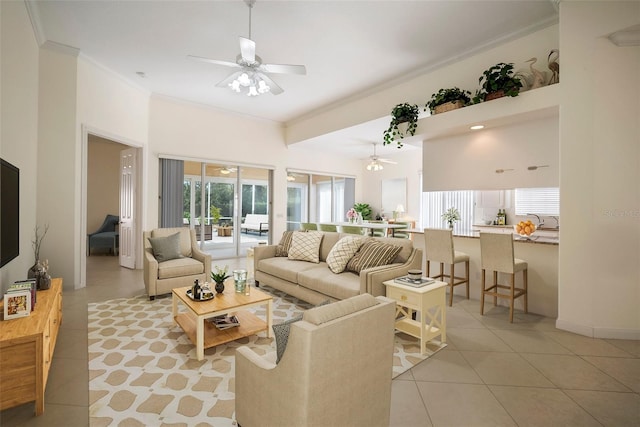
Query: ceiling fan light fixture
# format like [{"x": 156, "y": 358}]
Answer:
[
  {"x": 225, "y": 171},
  {"x": 374, "y": 166}
]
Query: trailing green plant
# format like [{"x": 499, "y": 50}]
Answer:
[
  {"x": 498, "y": 77},
  {"x": 401, "y": 113},
  {"x": 363, "y": 209},
  {"x": 448, "y": 95}
]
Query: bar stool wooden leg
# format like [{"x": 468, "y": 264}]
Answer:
[
  {"x": 482, "y": 292},
  {"x": 428, "y": 265},
  {"x": 513, "y": 289},
  {"x": 526, "y": 292},
  {"x": 451, "y": 278},
  {"x": 466, "y": 275},
  {"x": 495, "y": 288}
]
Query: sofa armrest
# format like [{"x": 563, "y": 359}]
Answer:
[
  {"x": 204, "y": 258},
  {"x": 262, "y": 252},
  {"x": 150, "y": 275},
  {"x": 371, "y": 279}
]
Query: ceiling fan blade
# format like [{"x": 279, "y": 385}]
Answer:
[
  {"x": 284, "y": 69},
  {"x": 275, "y": 89},
  {"x": 248, "y": 50},
  {"x": 213, "y": 61},
  {"x": 229, "y": 79},
  {"x": 391, "y": 162}
]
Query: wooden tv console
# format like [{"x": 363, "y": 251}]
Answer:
[{"x": 26, "y": 350}]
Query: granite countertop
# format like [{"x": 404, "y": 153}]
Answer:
[{"x": 474, "y": 233}]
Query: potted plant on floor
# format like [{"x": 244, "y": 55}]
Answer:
[
  {"x": 448, "y": 99},
  {"x": 401, "y": 113},
  {"x": 496, "y": 82}
]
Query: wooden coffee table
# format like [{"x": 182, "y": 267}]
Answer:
[{"x": 204, "y": 334}]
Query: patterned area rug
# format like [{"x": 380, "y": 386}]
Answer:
[{"x": 143, "y": 370}]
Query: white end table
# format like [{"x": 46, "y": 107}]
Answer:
[{"x": 430, "y": 301}]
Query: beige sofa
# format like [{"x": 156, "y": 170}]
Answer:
[
  {"x": 315, "y": 283},
  {"x": 161, "y": 277},
  {"x": 325, "y": 376}
]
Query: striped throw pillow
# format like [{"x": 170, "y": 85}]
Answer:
[
  {"x": 373, "y": 254},
  {"x": 285, "y": 243}
]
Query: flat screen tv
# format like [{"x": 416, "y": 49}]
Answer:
[{"x": 9, "y": 212}]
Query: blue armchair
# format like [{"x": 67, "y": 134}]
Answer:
[{"x": 106, "y": 237}]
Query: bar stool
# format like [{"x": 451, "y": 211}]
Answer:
[
  {"x": 496, "y": 251},
  {"x": 438, "y": 244}
]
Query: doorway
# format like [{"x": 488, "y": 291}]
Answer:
[{"x": 102, "y": 200}]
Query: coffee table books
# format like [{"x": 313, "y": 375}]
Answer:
[{"x": 225, "y": 321}]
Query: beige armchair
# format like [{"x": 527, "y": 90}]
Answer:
[
  {"x": 161, "y": 277},
  {"x": 336, "y": 369}
]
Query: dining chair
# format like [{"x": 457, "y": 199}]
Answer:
[
  {"x": 327, "y": 227},
  {"x": 350, "y": 229},
  {"x": 308, "y": 226}
]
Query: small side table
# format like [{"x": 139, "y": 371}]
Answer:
[{"x": 430, "y": 301}]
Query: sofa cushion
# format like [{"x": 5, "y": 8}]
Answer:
[
  {"x": 179, "y": 267},
  {"x": 342, "y": 252},
  {"x": 166, "y": 248},
  {"x": 372, "y": 254},
  {"x": 329, "y": 240},
  {"x": 285, "y": 244},
  {"x": 285, "y": 268},
  {"x": 305, "y": 246},
  {"x": 322, "y": 280}
]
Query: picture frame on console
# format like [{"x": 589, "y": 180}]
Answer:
[{"x": 17, "y": 304}]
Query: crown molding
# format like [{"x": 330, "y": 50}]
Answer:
[{"x": 34, "y": 16}]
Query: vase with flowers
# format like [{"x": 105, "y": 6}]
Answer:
[
  {"x": 451, "y": 215},
  {"x": 219, "y": 276},
  {"x": 352, "y": 215}
]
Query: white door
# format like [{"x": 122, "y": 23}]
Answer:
[{"x": 127, "y": 207}]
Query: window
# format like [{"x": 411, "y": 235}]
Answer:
[
  {"x": 539, "y": 201},
  {"x": 435, "y": 203}
]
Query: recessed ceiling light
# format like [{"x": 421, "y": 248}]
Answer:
[{"x": 477, "y": 127}]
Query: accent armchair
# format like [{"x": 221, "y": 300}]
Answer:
[
  {"x": 172, "y": 261},
  {"x": 336, "y": 369},
  {"x": 105, "y": 237}
]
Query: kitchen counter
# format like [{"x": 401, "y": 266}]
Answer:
[{"x": 547, "y": 237}]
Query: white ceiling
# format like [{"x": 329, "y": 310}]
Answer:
[{"x": 347, "y": 46}]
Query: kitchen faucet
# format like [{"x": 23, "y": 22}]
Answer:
[{"x": 540, "y": 221}]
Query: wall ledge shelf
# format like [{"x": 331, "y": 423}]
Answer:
[{"x": 530, "y": 105}]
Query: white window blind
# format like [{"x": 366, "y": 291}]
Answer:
[
  {"x": 435, "y": 203},
  {"x": 539, "y": 201}
]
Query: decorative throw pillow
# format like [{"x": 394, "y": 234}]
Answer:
[
  {"x": 373, "y": 254},
  {"x": 281, "y": 332},
  {"x": 285, "y": 243},
  {"x": 342, "y": 252},
  {"x": 166, "y": 248},
  {"x": 306, "y": 246}
]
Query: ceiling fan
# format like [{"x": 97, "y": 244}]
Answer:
[
  {"x": 252, "y": 75},
  {"x": 226, "y": 170},
  {"x": 376, "y": 162}
]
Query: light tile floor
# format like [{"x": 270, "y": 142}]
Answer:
[{"x": 492, "y": 373}]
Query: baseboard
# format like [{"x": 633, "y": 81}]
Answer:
[{"x": 588, "y": 331}]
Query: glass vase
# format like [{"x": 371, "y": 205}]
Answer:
[{"x": 240, "y": 280}]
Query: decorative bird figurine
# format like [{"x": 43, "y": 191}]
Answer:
[
  {"x": 538, "y": 77},
  {"x": 554, "y": 66}
]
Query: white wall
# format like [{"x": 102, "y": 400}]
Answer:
[
  {"x": 19, "y": 124},
  {"x": 103, "y": 181},
  {"x": 469, "y": 162},
  {"x": 409, "y": 165},
  {"x": 599, "y": 291}
]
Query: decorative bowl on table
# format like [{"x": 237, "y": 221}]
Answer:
[
  {"x": 414, "y": 274},
  {"x": 524, "y": 228}
]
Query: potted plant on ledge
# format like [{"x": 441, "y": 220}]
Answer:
[
  {"x": 448, "y": 99},
  {"x": 401, "y": 113},
  {"x": 496, "y": 82}
]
